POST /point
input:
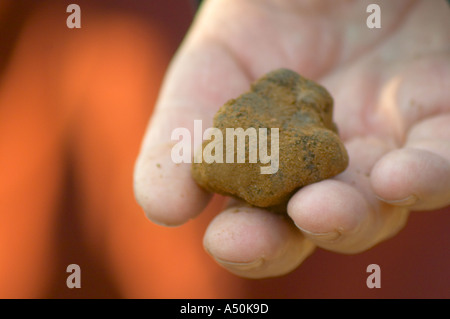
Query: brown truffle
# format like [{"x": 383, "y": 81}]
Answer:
[{"x": 309, "y": 149}]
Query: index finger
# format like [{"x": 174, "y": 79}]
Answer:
[{"x": 201, "y": 78}]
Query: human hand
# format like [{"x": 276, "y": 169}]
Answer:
[{"x": 390, "y": 87}]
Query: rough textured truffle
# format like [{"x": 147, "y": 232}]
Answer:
[{"x": 309, "y": 147}]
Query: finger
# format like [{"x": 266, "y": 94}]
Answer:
[
  {"x": 343, "y": 214},
  {"x": 253, "y": 243},
  {"x": 418, "y": 175},
  {"x": 165, "y": 190}
]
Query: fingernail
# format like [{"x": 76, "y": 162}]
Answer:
[
  {"x": 161, "y": 223},
  {"x": 327, "y": 236},
  {"x": 245, "y": 266},
  {"x": 407, "y": 201}
]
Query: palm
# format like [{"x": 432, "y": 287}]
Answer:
[{"x": 386, "y": 84}]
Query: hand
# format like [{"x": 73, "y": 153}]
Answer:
[{"x": 391, "y": 91}]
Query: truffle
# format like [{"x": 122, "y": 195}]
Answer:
[{"x": 284, "y": 128}]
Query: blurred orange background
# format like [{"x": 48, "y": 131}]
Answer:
[{"x": 74, "y": 105}]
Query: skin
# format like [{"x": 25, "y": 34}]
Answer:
[{"x": 390, "y": 87}]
